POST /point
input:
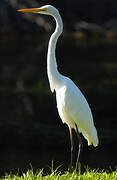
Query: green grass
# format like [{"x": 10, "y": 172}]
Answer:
[{"x": 57, "y": 175}]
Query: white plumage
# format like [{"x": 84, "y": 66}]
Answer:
[
  {"x": 71, "y": 103},
  {"x": 74, "y": 109}
]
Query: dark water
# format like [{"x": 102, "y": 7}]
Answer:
[{"x": 31, "y": 131}]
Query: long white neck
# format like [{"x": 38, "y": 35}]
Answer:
[{"x": 53, "y": 75}]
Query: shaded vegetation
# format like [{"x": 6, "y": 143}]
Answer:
[{"x": 30, "y": 128}]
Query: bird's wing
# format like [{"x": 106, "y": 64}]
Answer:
[
  {"x": 74, "y": 109},
  {"x": 71, "y": 101},
  {"x": 77, "y": 106}
]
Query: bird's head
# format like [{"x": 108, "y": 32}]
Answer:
[{"x": 47, "y": 9}]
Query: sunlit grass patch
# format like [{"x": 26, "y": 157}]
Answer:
[{"x": 57, "y": 175}]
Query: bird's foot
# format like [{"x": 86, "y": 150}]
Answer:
[{"x": 71, "y": 169}]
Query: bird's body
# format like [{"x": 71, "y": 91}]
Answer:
[
  {"x": 74, "y": 109},
  {"x": 71, "y": 103}
]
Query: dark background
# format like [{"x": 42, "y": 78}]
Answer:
[{"x": 31, "y": 131}]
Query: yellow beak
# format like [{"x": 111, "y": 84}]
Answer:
[{"x": 33, "y": 10}]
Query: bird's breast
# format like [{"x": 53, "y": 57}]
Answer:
[{"x": 61, "y": 102}]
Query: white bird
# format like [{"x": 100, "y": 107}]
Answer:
[{"x": 72, "y": 106}]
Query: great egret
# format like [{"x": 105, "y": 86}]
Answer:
[{"x": 71, "y": 103}]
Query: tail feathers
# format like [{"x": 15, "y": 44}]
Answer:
[
  {"x": 91, "y": 137},
  {"x": 94, "y": 136}
]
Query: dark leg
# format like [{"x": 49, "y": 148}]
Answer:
[
  {"x": 80, "y": 144},
  {"x": 71, "y": 139}
]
